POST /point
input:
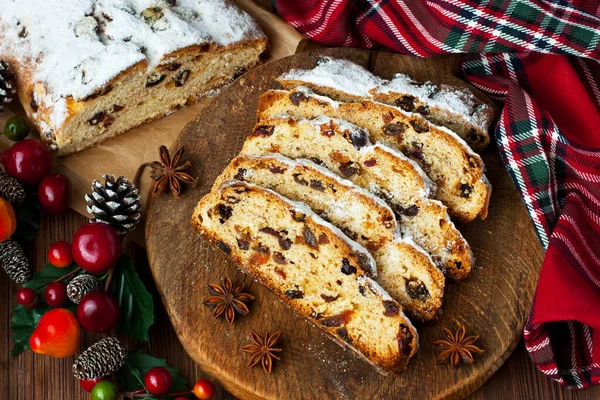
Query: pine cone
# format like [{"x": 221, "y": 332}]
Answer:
[
  {"x": 11, "y": 189},
  {"x": 14, "y": 261},
  {"x": 116, "y": 203},
  {"x": 100, "y": 359},
  {"x": 7, "y": 88},
  {"x": 82, "y": 285}
]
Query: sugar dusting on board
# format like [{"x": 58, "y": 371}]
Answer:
[{"x": 78, "y": 47}]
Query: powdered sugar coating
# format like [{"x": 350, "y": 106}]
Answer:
[
  {"x": 79, "y": 46},
  {"x": 303, "y": 208},
  {"x": 453, "y": 99},
  {"x": 340, "y": 74}
]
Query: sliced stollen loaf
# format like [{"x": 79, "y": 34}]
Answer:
[
  {"x": 310, "y": 265},
  {"x": 446, "y": 105},
  {"x": 88, "y": 70},
  {"x": 451, "y": 106},
  {"x": 445, "y": 157},
  {"x": 404, "y": 270},
  {"x": 346, "y": 150}
]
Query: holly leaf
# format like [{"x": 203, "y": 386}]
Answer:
[
  {"x": 28, "y": 220},
  {"x": 137, "y": 306},
  {"x": 130, "y": 376},
  {"x": 47, "y": 275},
  {"x": 23, "y": 324}
]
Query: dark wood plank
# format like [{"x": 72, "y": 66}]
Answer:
[{"x": 493, "y": 302}]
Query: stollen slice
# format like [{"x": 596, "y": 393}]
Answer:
[{"x": 312, "y": 266}]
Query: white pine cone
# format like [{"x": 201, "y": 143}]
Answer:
[
  {"x": 100, "y": 359},
  {"x": 82, "y": 285},
  {"x": 14, "y": 261}
]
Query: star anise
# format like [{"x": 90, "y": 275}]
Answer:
[
  {"x": 457, "y": 347},
  {"x": 168, "y": 172},
  {"x": 263, "y": 350},
  {"x": 228, "y": 299}
]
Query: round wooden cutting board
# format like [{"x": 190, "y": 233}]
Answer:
[{"x": 493, "y": 303}]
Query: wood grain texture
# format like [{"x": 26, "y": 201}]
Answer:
[{"x": 493, "y": 302}]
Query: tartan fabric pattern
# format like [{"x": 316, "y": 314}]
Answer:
[
  {"x": 429, "y": 27},
  {"x": 557, "y": 172}
]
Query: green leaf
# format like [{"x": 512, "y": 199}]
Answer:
[
  {"x": 137, "y": 306},
  {"x": 23, "y": 324},
  {"x": 49, "y": 274},
  {"x": 138, "y": 364},
  {"x": 28, "y": 220}
]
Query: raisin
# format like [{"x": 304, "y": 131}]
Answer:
[
  {"x": 359, "y": 139},
  {"x": 343, "y": 333},
  {"x": 279, "y": 259},
  {"x": 407, "y": 103},
  {"x": 155, "y": 79},
  {"x": 465, "y": 190},
  {"x": 347, "y": 268},
  {"x": 24, "y": 33},
  {"x": 277, "y": 170},
  {"x": 418, "y": 127},
  {"x": 410, "y": 211},
  {"x": 100, "y": 92},
  {"x": 173, "y": 66},
  {"x": 262, "y": 249},
  {"x": 391, "y": 308},
  {"x": 309, "y": 238},
  {"x": 363, "y": 261},
  {"x": 339, "y": 282},
  {"x": 323, "y": 239},
  {"x": 473, "y": 136},
  {"x": 338, "y": 319},
  {"x": 370, "y": 162},
  {"x": 294, "y": 294},
  {"x": 297, "y": 97},
  {"x": 361, "y": 290},
  {"x": 317, "y": 185},
  {"x": 298, "y": 217},
  {"x": 329, "y": 299},
  {"x": 349, "y": 169},
  {"x": 97, "y": 118},
  {"x": 224, "y": 247},
  {"x": 316, "y": 315},
  {"x": 317, "y": 161},
  {"x": 424, "y": 109},
  {"x": 417, "y": 290},
  {"x": 109, "y": 121},
  {"x": 405, "y": 338},
  {"x": 298, "y": 178},
  {"x": 117, "y": 108},
  {"x": 181, "y": 78},
  {"x": 327, "y": 132},
  {"x": 396, "y": 129},
  {"x": 263, "y": 130},
  {"x": 225, "y": 212},
  {"x": 284, "y": 243},
  {"x": 243, "y": 244},
  {"x": 240, "y": 174}
]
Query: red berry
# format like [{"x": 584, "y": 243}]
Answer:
[
  {"x": 54, "y": 193},
  {"x": 27, "y": 298},
  {"x": 204, "y": 389},
  {"x": 96, "y": 248},
  {"x": 158, "y": 381},
  {"x": 59, "y": 254},
  {"x": 98, "y": 311},
  {"x": 89, "y": 384},
  {"x": 55, "y": 294},
  {"x": 29, "y": 161}
]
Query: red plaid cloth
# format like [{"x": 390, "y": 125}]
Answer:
[{"x": 548, "y": 133}]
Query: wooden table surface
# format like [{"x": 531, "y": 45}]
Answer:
[{"x": 35, "y": 377}]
